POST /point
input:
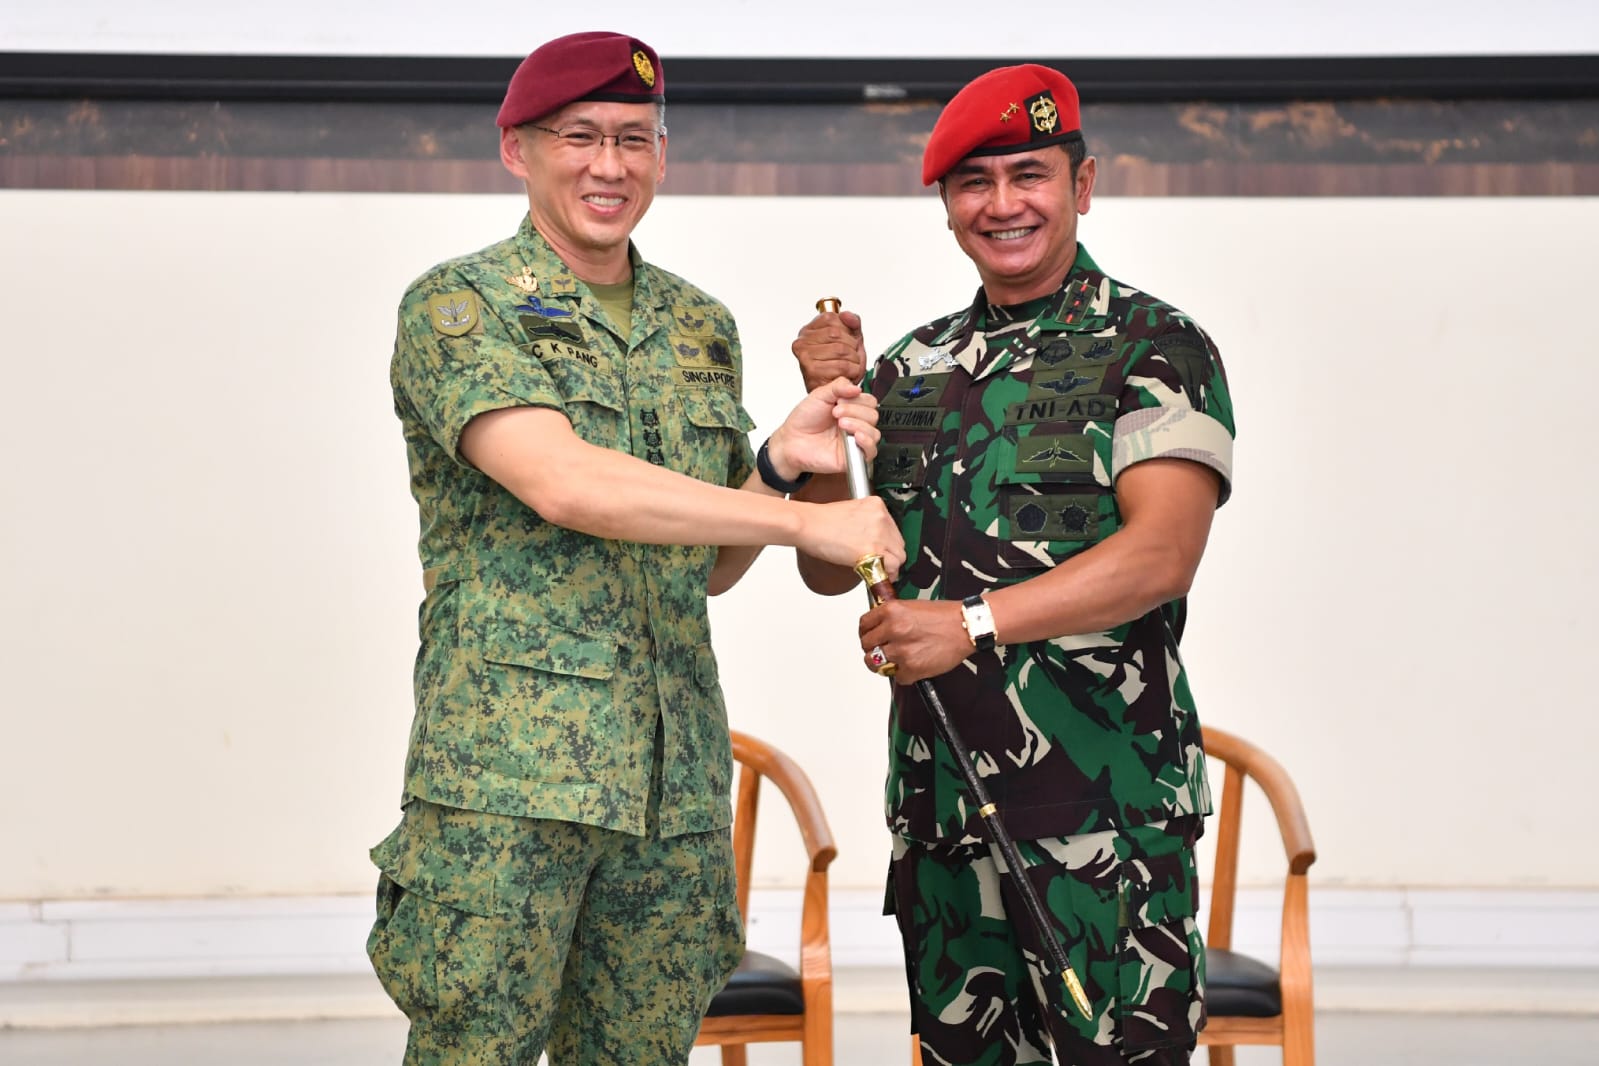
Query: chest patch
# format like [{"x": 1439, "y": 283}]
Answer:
[
  {"x": 557, "y": 329},
  {"x": 702, "y": 351},
  {"x": 547, "y": 350},
  {"x": 1068, "y": 453},
  {"x": 691, "y": 322}
]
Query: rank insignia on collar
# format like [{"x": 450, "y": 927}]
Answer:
[{"x": 524, "y": 283}]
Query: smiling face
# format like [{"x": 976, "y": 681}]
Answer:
[
  {"x": 1015, "y": 217},
  {"x": 584, "y": 202}
]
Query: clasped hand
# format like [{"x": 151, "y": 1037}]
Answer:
[{"x": 811, "y": 440}]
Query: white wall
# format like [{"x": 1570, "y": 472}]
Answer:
[
  {"x": 845, "y": 28},
  {"x": 207, "y": 542}
]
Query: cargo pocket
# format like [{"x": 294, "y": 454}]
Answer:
[
  {"x": 1159, "y": 954},
  {"x": 592, "y": 401},
  {"x": 713, "y": 424},
  {"x": 401, "y": 959},
  {"x": 439, "y": 945},
  {"x": 1054, "y": 497},
  {"x": 900, "y": 470},
  {"x": 553, "y": 715}
]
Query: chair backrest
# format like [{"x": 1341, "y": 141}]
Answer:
[{"x": 1243, "y": 761}]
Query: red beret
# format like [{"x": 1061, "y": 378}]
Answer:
[
  {"x": 1011, "y": 109},
  {"x": 582, "y": 66}
]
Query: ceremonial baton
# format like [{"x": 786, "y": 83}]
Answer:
[{"x": 875, "y": 575}]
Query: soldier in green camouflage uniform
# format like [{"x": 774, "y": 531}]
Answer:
[
  {"x": 1054, "y": 454},
  {"x": 562, "y": 874}
]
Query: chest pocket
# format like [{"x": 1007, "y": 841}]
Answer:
[
  {"x": 1054, "y": 495},
  {"x": 708, "y": 433},
  {"x": 590, "y": 392},
  {"x": 900, "y": 470}
]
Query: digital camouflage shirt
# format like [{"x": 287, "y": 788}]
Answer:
[
  {"x": 547, "y": 655},
  {"x": 1003, "y": 435}
]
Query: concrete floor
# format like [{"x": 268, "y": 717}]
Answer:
[
  {"x": 1343, "y": 1039},
  {"x": 1385, "y": 1017}
]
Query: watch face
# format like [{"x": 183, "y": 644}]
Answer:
[{"x": 979, "y": 621}]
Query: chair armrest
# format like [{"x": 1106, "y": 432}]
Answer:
[
  {"x": 797, "y": 789},
  {"x": 1280, "y": 792}
]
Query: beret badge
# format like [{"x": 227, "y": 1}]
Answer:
[
  {"x": 646, "y": 69},
  {"x": 1042, "y": 109}
]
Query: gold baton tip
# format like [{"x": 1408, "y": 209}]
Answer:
[
  {"x": 872, "y": 570},
  {"x": 1079, "y": 997},
  {"x": 829, "y": 304}
]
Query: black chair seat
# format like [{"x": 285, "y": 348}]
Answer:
[
  {"x": 1237, "y": 986},
  {"x": 760, "y": 985}
]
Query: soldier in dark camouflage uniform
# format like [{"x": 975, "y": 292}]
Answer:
[
  {"x": 1054, "y": 454},
  {"x": 561, "y": 875}
]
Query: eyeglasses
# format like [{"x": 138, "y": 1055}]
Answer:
[{"x": 588, "y": 141}]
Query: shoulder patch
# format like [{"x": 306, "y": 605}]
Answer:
[
  {"x": 1188, "y": 357},
  {"x": 455, "y": 314}
]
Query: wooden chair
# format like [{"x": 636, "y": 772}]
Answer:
[
  {"x": 1248, "y": 1001},
  {"x": 766, "y": 999}
]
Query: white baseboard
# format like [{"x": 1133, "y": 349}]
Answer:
[{"x": 77, "y": 940}]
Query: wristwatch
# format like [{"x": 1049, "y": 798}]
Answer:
[
  {"x": 774, "y": 480},
  {"x": 979, "y": 622}
]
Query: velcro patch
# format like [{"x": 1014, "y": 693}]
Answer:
[
  {"x": 1091, "y": 408},
  {"x": 896, "y": 463},
  {"x": 545, "y": 350},
  {"x": 561, "y": 329},
  {"x": 921, "y": 391},
  {"x": 1053, "y": 516},
  {"x": 1189, "y": 358},
  {"x": 702, "y": 351},
  {"x": 1055, "y": 453},
  {"x": 906, "y": 416},
  {"x": 695, "y": 377},
  {"x": 692, "y": 322},
  {"x": 1066, "y": 381},
  {"x": 455, "y": 314}
]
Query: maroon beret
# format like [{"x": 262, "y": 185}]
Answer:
[
  {"x": 1011, "y": 109},
  {"x": 582, "y": 66}
]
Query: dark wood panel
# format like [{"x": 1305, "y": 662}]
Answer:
[{"x": 1288, "y": 148}]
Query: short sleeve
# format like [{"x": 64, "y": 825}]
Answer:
[
  {"x": 741, "y": 461},
  {"x": 454, "y": 360},
  {"x": 1175, "y": 405}
]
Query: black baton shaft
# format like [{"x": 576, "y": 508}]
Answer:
[
  {"x": 881, "y": 590},
  {"x": 871, "y": 570}
]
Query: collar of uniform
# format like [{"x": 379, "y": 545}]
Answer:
[
  {"x": 1079, "y": 305},
  {"x": 555, "y": 280}
]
